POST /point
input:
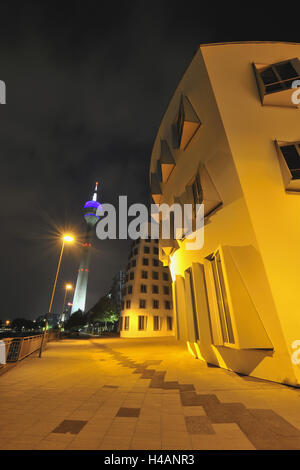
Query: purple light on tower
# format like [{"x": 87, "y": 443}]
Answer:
[{"x": 90, "y": 209}]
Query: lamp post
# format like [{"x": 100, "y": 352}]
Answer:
[
  {"x": 67, "y": 287},
  {"x": 65, "y": 239}
]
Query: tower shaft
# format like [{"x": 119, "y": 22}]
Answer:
[{"x": 83, "y": 274}]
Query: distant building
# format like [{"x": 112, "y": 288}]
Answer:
[
  {"x": 115, "y": 292},
  {"x": 230, "y": 139},
  {"x": 147, "y": 294}
]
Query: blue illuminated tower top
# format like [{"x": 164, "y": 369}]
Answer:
[{"x": 90, "y": 209}]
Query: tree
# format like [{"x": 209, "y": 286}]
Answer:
[
  {"x": 19, "y": 324},
  {"x": 77, "y": 320},
  {"x": 104, "y": 311}
]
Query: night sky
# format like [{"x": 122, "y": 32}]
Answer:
[{"x": 87, "y": 86}]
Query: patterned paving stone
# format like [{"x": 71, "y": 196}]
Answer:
[
  {"x": 71, "y": 426},
  {"x": 128, "y": 412}
]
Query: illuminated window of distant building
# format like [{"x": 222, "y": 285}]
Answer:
[
  {"x": 121, "y": 324},
  {"x": 155, "y": 262},
  {"x": 144, "y": 275},
  {"x": 129, "y": 289},
  {"x": 142, "y": 322},
  {"x": 126, "y": 323},
  {"x": 154, "y": 289},
  {"x": 167, "y": 305},
  {"x": 145, "y": 262},
  {"x": 122, "y": 305},
  {"x": 143, "y": 288},
  {"x": 128, "y": 303},
  {"x": 142, "y": 303},
  {"x": 131, "y": 276},
  {"x": 146, "y": 249},
  {"x": 166, "y": 290},
  {"x": 155, "y": 304},
  {"x": 133, "y": 263},
  {"x": 165, "y": 276},
  {"x": 155, "y": 275},
  {"x": 169, "y": 323},
  {"x": 155, "y": 250}
]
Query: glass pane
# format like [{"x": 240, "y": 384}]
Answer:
[
  {"x": 291, "y": 156},
  {"x": 286, "y": 70},
  {"x": 225, "y": 300},
  {"x": 268, "y": 76}
]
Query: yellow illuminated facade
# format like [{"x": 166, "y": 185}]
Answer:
[
  {"x": 147, "y": 309},
  {"x": 230, "y": 138}
]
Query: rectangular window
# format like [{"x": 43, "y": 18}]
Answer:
[
  {"x": 142, "y": 322},
  {"x": 144, "y": 288},
  {"x": 167, "y": 305},
  {"x": 129, "y": 289},
  {"x": 155, "y": 289},
  {"x": 121, "y": 324},
  {"x": 166, "y": 290},
  {"x": 135, "y": 251},
  {"x": 145, "y": 262},
  {"x": 133, "y": 263},
  {"x": 128, "y": 302},
  {"x": 223, "y": 307},
  {"x": 131, "y": 276},
  {"x": 122, "y": 305},
  {"x": 126, "y": 323},
  {"x": 142, "y": 303},
  {"x": 165, "y": 276},
  {"x": 155, "y": 262},
  {"x": 146, "y": 249},
  {"x": 144, "y": 275},
  {"x": 156, "y": 323},
  {"x": 155, "y": 250},
  {"x": 169, "y": 323},
  {"x": 155, "y": 275},
  {"x": 291, "y": 155},
  {"x": 155, "y": 304}
]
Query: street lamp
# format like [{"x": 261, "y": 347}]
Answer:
[
  {"x": 65, "y": 239},
  {"x": 67, "y": 287}
]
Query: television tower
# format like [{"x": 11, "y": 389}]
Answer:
[{"x": 90, "y": 209}]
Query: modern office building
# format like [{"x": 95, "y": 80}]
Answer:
[
  {"x": 230, "y": 139},
  {"x": 91, "y": 218},
  {"x": 116, "y": 289},
  {"x": 147, "y": 294}
]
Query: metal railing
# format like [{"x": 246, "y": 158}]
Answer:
[{"x": 20, "y": 347}]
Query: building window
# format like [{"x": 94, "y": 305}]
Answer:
[
  {"x": 126, "y": 278},
  {"x": 169, "y": 323},
  {"x": 155, "y": 250},
  {"x": 124, "y": 291},
  {"x": 133, "y": 263},
  {"x": 144, "y": 288},
  {"x": 275, "y": 81},
  {"x": 280, "y": 76},
  {"x": 142, "y": 322},
  {"x": 135, "y": 251},
  {"x": 155, "y": 304},
  {"x": 126, "y": 323},
  {"x": 129, "y": 289},
  {"x": 197, "y": 193},
  {"x": 156, "y": 323},
  {"x": 121, "y": 324},
  {"x": 128, "y": 302},
  {"x": 154, "y": 289},
  {"x": 122, "y": 305},
  {"x": 148, "y": 240},
  {"x": 167, "y": 305},
  {"x": 155, "y": 275},
  {"x": 144, "y": 275},
  {"x": 155, "y": 262},
  {"x": 165, "y": 276},
  {"x": 131, "y": 276},
  {"x": 166, "y": 290},
  {"x": 224, "y": 313},
  {"x": 145, "y": 262},
  {"x": 142, "y": 303},
  {"x": 146, "y": 249},
  {"x": 128, "y": 266},
  {"x": 291, "y": 155}
]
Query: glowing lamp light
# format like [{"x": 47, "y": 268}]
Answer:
[
  {"x": 68, "y": 238},
  {"x": 69, "y": 286}
]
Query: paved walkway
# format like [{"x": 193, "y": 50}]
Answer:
[{"x": 140, "y": 394}]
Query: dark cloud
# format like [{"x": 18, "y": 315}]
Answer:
[{"x": 87, "y": 85}]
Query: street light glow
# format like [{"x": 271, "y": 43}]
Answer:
[
  {"x": 68, "y": 238},
  {"x": 69, "y": 286}
]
